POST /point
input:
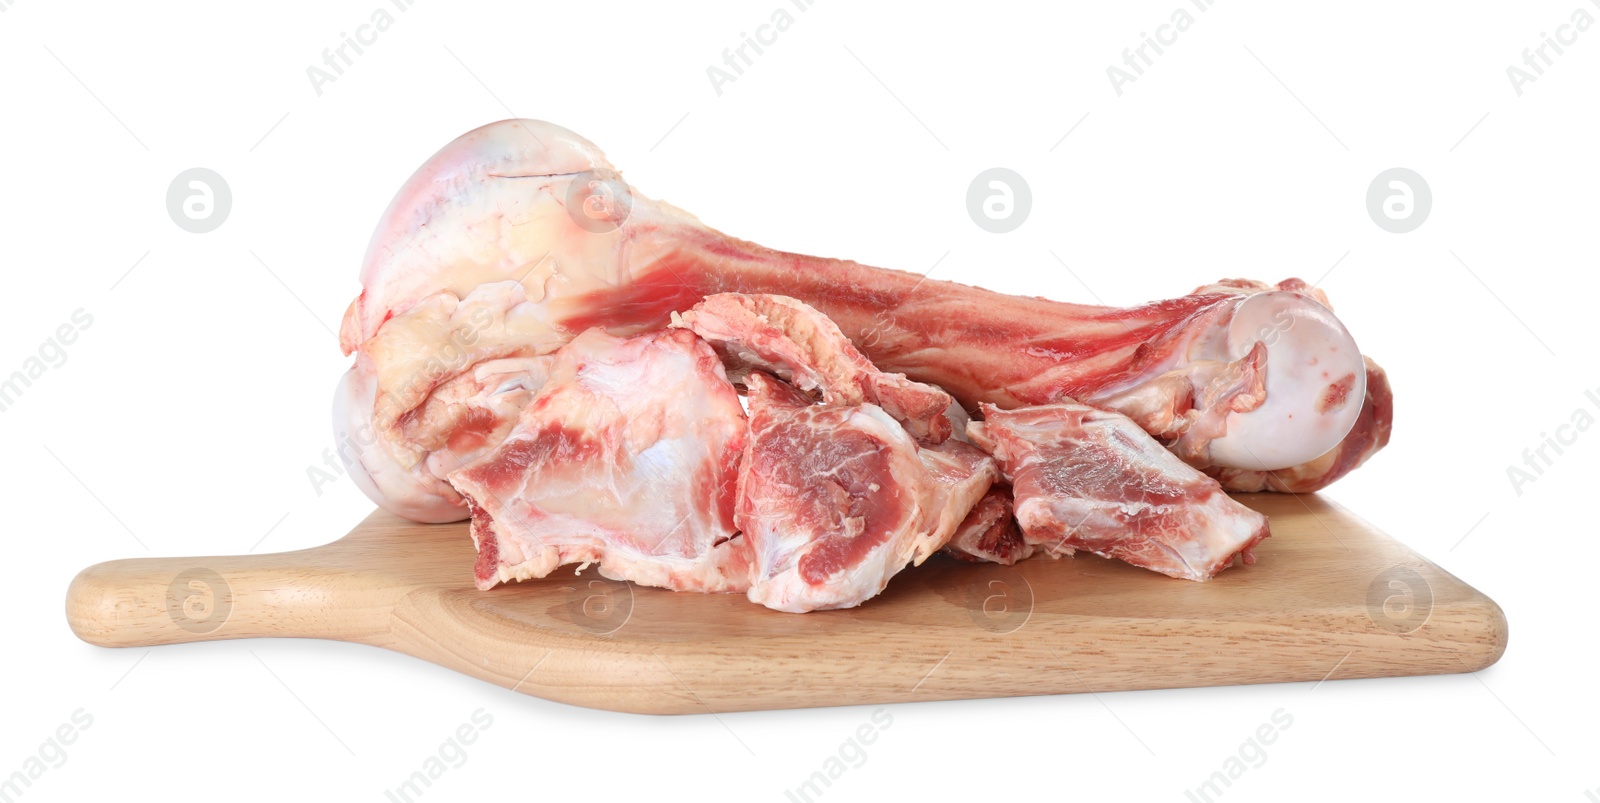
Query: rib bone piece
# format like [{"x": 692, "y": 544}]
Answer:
[{"x": 1236, "y": 376}]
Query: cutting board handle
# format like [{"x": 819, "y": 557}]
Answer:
[{"x": 149, "y": 601}]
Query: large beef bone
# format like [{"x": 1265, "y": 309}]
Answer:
[{"x": 519, "y": 235}]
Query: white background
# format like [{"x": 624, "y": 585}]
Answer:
[{"x": 191, "y": 408}]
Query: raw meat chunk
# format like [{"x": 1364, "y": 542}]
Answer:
[{"x": 835, "y": 500}]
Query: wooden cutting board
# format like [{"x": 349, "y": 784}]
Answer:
[{"x": 1329, "y": 598}]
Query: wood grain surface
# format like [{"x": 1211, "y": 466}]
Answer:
[{"x": 1330, "y": 597}]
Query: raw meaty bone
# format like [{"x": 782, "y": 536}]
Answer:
[
  {"x": 1085, "y": 478},
  {"x": 1238, "y": 376},
  {"x": 627, "y": 456},
  {"x": 836, "y": 500}
]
